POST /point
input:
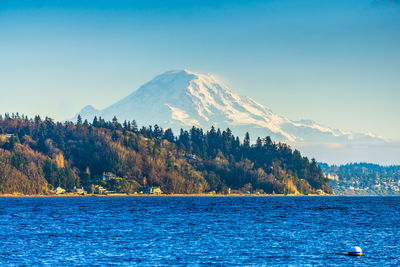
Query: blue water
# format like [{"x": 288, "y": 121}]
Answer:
[{"x": 153, "y": 231}]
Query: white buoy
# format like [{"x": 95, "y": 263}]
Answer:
[{"x": 355, "y": 251}]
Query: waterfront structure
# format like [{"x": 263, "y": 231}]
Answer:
[
  {"x": 80, "y": 191},
  {"x": 59, "y": 191},
  {"x": 100, "y": 190},
  {"x": 152, "y": 190}
]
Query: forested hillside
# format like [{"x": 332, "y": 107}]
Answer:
[
  {"x": 364, "y": 179},
  {"x": 37, "y": 155}
]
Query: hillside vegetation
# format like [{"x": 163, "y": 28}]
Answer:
[
  {"x": 37, "y": 155},
  {"x": 364, "y": 179}
]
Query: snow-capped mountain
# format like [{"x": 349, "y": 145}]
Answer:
[{"x": 182, "y": 99}]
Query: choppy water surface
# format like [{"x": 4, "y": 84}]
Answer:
[{"x": 199, "y": 231}]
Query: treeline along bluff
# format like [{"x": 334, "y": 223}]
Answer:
[{"x": 38, "y": 155}]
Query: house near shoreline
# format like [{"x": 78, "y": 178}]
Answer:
[
  {"x": 152, "y": 190},
  {"x": 100, "y": 190},
  {"x": 80, "y": 191},
  {"x": 59, "y": 191}
]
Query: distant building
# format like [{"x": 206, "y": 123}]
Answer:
[
  {"x": 107, "y": 176},
  {"x": 320, "y": 192},
  {"x": 100, "y": 190},
  {"x": 190, "y": 157},
  {"x": 152, "y": 190},
  {"x": 330, "y": 176},
  {"x": 80, "y": 191},
  {"x": 5, "y": 137},
  {"x": 59, "y": 191}
]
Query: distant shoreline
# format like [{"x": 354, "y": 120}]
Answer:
[
  {"x": 161, "y": 195},
  {"x": 181, "y": 195}
]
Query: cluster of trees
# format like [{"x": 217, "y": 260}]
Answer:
[
  {"x": 38, "y": 154},
  {"x": 367, "y": 178}
]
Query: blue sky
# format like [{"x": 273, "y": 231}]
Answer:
[{"x": 335, "y": 62}]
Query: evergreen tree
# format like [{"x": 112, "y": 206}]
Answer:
[
  {"x": 79, "y": 120},
  {"x": 193, "y": 162},
  {"x": 258, "y": 142},
  {"x": 246, "y": 141},
  {"x": 169, "y": 135},
  {"x": 95, "y": 122},
  {"x": 134, "y": 126},
  {"x": 267, "y": 141}
]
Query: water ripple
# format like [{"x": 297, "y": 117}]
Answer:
[{"x": 270, "y": 231}]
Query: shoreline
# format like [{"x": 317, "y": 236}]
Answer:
[
  {"x": 181, "y": 195},
  {"x": 162, "y": 195}
]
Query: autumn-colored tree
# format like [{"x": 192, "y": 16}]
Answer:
[{"x": 76, "y": 154}]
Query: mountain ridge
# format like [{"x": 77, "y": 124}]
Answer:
[{"x": 182, "y": 99}]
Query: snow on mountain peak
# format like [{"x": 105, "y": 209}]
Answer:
[{"x": 182, "y": 99}]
